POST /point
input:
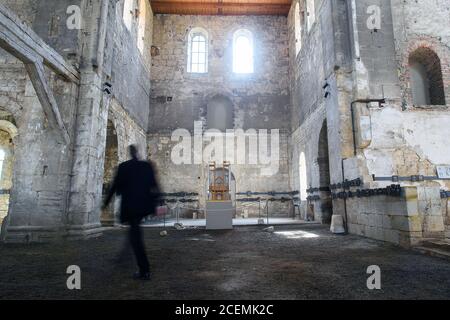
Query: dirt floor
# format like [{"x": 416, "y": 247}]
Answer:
[{"x": 296, "y": 262}]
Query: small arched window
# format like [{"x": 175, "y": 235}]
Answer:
[
  {"x": 198, "y": 51},
  {"x": 243, "y": 51},
  {"x": 128, "y": 13},
  {"x": 311, "y": 13},
  {"x": 303, "y": 177},
  {"x": 298, "y": 28},
  {"x": 142, "y": 25},
  {"x": 427, "y": 84}
]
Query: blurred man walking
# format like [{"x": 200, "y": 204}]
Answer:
[{"x": 136, "y": 183}]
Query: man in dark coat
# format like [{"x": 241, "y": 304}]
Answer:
[{"x": 136, "y": 183}]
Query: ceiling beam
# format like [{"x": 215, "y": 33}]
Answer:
[{"x": 215, "y": 8}]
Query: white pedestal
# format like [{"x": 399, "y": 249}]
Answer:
[
  {"x": 219, "y": 215},
  {"x": 337, "y": 224}
]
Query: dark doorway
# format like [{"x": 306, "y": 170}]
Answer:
[
  {"x": 107, "y": 217},
  {"x": 326, "y": 204}
]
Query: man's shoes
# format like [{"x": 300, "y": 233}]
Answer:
[{"x": 141, "y": 275}]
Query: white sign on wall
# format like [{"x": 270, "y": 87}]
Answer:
[{"x": 443, "y": 172}]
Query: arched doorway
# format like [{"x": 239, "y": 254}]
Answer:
[
  {"x": 8, "y": 131},
  {"x": 426, "y": 77},
  {"x": 107, "y": 217},
  {"x": 303, "y": 184},
  {"x": 323, "y": 161}
]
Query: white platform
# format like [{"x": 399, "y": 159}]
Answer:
[{"x": 219, "y": 215}]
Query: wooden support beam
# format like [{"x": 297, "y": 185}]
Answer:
[
  {"x": 46, "y": 98},
  {"x": 10, "y": 22},
  {"x": 16, "y": 45}
]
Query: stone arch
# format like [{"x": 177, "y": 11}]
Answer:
[
  {"x": 8, "y": 134},
  {"x": 244, "y": 60},
  {"x": 420, "y": 43},
  {"x": 197, "y": 50},
  {"x": 110, "y": 165},
  {"x": 426, "y": 77}
]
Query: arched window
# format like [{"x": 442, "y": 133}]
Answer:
[
  {"x": 298, "y": 28},
  {"x": 142, "y": 25},
  {"x": 2, "y": 159},
  {"x": 311, "y": 13},
  {"x": 243, "y": 51},
  {"x": 128, "y": 13},
  {"x": 427, "y": 84},
  {"x": 303, "y": 178},
  {"x": 198, "y": 51}
]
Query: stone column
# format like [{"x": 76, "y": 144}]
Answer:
[{"x": 90, "y": 134}]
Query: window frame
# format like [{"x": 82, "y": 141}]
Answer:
[
  {"x": 310, "y": 14},
  {"x": 249, "y": 35},
  {"x": 193, "y": 34},
  {"x": 298, "y": 28},
  {"x": 128, "y": 15}
]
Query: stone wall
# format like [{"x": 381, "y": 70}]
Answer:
[
  {"x": 259, "y": 100},
  {"x": 398, "y": 139},
  {"x": 192, "y": 178},
  {"x": 56, "y": 188},
  {"x": 342, "y": 60},
  {"x": 320, "y": 86},
  {"x": 6, "y": 171},
  {"x": 42, "y": 166}
]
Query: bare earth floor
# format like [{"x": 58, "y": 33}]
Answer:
[{"x": 295, "y": 262}]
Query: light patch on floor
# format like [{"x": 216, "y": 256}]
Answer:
[{"x": 297, "y": 234}]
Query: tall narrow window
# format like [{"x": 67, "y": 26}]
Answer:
[
  {"x": 298, "y": 28},
  {"x": 303, "y": 178},
  {"x": 198, "y": 51},
  {"x": 311, "y": 13},
  {"x": 128, "y": 13},
  {"x": 243, "y": 52},
  {"x": 426, "y": 78},
  {"x": 142, "y": 25},
  {"x": 2, "y": 159}
]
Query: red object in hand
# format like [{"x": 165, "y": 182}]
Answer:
[{"x": 162, "y": 210}]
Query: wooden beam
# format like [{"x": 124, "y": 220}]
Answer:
[
  {"x": 34, "y": 64},
  {"x": 46, "y": 98},
  {"x": 227, "y": 8},
  {"x": 10, "y": 22}
]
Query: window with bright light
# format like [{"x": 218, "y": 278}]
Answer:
[
  {"x": 198, "y": 51},
  {"x": 243, "y": 52},
  {"x": 142, "y": 25},
  {"x": 298, "y": 28},
  {"x": 128, "y": 13},
  {"x": 303, "y": 178},
  {"x": 2, "y": 159},
  {"x": 311, "y": 13}
]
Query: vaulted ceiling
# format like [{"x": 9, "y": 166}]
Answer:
[{"x": 222, "y": 7}]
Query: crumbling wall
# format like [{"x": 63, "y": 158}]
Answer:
[
  {"x": 57, "y": 189},
  {"x": 398, "y": 139},
  {"x": 126, "y": 67},
  {"x": 191, "y": 179},
  {"x": 320, "y": 86},
  {"x": 41, "y": 179}
]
